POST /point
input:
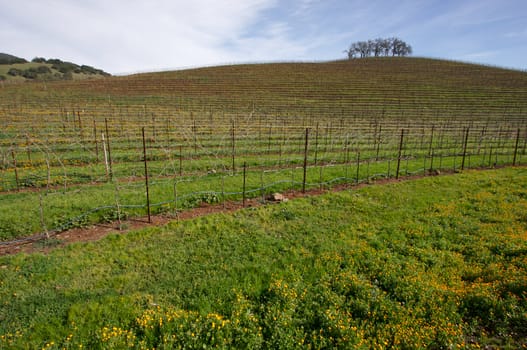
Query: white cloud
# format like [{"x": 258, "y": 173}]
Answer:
[{"x": 125, "y": 35}]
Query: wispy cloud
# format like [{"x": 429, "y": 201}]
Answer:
[{"x": 131, "y": 34}]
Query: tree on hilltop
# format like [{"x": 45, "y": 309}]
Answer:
[{"x": 379, "y": 47}]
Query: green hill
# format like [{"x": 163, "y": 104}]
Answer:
[
  {"x": 10, "y": 59},
  {"x": 15, "y": 69}
]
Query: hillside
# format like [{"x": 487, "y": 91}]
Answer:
[
  {"x": 372, "y": 87},
  {"x": 10, "y": 59},
  {"x": 16, "y": 69}
]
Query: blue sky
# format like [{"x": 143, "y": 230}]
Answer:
[{"x": 126, "y": 36}]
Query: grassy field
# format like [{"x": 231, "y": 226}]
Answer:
[{"x": 438, "y": 262}]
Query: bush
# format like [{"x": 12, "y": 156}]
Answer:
[
  {"x": 38, "y": 60},
  {"x": 14, "y": 72}
]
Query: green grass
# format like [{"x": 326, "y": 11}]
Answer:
[
  {"x": 62, "y": 208},
  {"x": 433, "y": 263}
]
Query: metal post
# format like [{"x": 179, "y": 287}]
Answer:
[
  {"x": 305, "y": 161},
  {"x": 180, "y": 160},
  {"x": 358, "y": 166},
  {"x": 146, "y": 177},
  {"x": 16, "y": 170},
  {"x": 244, "y": 181},
  {"x": 465, "y": 149},
  {"x": 399, "y": 155},
  {"x": 516, "y": 147},
  {"x": 233, "y": 149},
  {"x": 95, "y": 140},
  {"x": 108, "y": 149}
]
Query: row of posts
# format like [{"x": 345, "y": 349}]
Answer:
[{"x": 109, "y": 171}]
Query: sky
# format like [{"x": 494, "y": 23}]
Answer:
[{"x": 129, "y": 36}]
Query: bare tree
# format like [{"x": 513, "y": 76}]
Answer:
[{"x": 379, "y": 47}]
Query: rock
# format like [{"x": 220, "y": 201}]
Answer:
[{"x": 277, "y": 197}]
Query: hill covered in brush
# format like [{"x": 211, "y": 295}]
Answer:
[{"x": 14, "y": 68}]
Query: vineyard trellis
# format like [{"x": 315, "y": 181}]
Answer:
[
  {"x": 76, "y": 153},
  {"x": 256, "y": 165}
]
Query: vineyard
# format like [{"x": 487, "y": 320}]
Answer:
[
  {"x": 78, "y": 153},
  {"x": 437, "y": 262}
]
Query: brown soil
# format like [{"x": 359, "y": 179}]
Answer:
[{"x": 96, "y": 232}]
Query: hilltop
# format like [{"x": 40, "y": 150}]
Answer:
[
  {"x": 15, "y": 69},
  {"x": 10, "y": 59}
]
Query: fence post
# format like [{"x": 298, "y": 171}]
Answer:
[
  {"x": 431, "y": 149},
  {"x": 106, "y": 168},
  {"x": 262, "y": 186},
  {"x": 28, "y": 150},
  {"x": 244, "y": 181},
  {"x": 465, "y": 149},
  {"x": 358, "y": 166},
  {"x": 41, "y": 212},
  {"x": 176, "y": 200},
  {"x": 378, "y": 141},
  {"x": 110, "y": 173},
  {"x": 180, "y": 160},
  {"x": 399, "y": 155},
  {"x": 516, "y": 147},
  {"x": 305, "y": 161},
  {"x": 223, "y": 190},
  {"x": 146, "y": 177},
  {"x": 95, "y": 140},
  {"x": 17, "y": 181},
  {"x": 316, "y": 145},
  {"x": 233, "y": 149}
]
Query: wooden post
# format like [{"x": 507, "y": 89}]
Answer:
[{"x": 146, "y": 177}]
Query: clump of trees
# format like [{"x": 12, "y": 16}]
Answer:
[
  {"x": 379, "y": 47},
  {"x": 10, "y": 59},
  {"x": 31, "y": 73},
  {"x": 68, "y": 67}
]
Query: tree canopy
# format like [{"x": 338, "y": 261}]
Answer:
[{"x": 379, "y": 47}]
